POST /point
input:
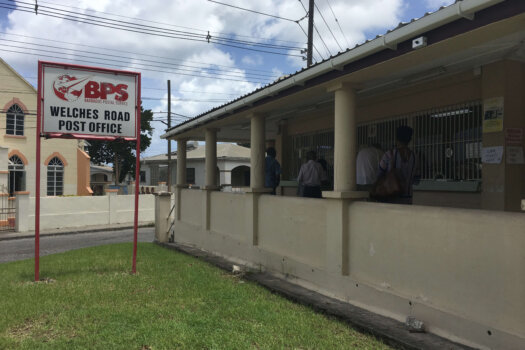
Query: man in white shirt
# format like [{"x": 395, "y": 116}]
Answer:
[
  {"x": 310, "y": 176},
  {"x": 367, "y": 167}
]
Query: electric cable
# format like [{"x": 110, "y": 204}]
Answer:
[
  {"x": 338, "y": 24},
  {"x": 327, "y": 26}
]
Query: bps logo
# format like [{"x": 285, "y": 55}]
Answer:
[{"x": 69, "y": 88}]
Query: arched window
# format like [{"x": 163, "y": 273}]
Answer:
[
  {"x": 55, "y": 177},
  {"x": 14, "y": 121},
  {"x": 17, "y": 175}
]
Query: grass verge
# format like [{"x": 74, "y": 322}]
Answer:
[{"x": 90, "y": 301}]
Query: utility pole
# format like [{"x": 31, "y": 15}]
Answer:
[
  {"x": 169, "y": 141},
  {"x": 310, "y": 33}
]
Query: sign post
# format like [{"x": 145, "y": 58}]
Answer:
[{"x": 81, "y": 102}]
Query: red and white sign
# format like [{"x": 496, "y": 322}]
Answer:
[{"x": 88, "y": 102}]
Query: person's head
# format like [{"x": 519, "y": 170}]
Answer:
[
  {"x": 404, "y": 135},
  {"x": 310, "y": 155},
  {"x": 270, "y": 151}
]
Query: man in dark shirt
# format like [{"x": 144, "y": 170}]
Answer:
[{"x": 272, "y": 170}]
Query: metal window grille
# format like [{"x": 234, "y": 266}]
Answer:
[
  {"x": 322, "y": 143},
  {"x": 15, "y": 121},
  {"x": 447, "y": 141},
  {"x": 55, "y": 177},
  {"x": 17, "y": 175}
]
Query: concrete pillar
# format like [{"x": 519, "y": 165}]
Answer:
[
  {"x": 162, "y": 220},
  {"x": 181, "y": 174},
  {"x": 112, "y": 205},
  {"x": 22, "y": 212},
  {"x": 257, "y": 148},
  {"x": 344, "y": 139},
  {"x": 181, "y": 163},
  {"x": 211, "y": 159}
]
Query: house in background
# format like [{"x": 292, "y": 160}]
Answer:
[
  {"x": 233, "y": 163},
  {"x": 101, "y": 176},
  {"x": 64, "y": 163}
]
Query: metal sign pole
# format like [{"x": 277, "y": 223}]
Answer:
[
  {"x": 37, "y": 185},
  {"x": 137, "y": 180}
]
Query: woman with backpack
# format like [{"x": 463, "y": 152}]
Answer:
[{"x": 397, "y": 170}]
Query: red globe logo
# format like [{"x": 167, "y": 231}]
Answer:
[{"x": 69, "y": 88}]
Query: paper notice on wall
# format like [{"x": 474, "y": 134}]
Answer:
[
  {"x": 492, "y": 155},
  {"x": 515, "y": 155},
  {"x": 493, "y": 114},
  {"x": 514, "y": 136}
]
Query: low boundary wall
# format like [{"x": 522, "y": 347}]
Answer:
[
  {"x": 460, "y": 271},
  {"x": 65, "y": 212}
]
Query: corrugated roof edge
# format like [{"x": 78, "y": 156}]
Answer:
[{"x": 403, "y": 32}]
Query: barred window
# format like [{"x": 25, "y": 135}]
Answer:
[
  {"x": 55, "y": 177},
  {"x": 447, "y": 141},
  {"x": 14, "y": 121}
]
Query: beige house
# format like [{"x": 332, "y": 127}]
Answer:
[
  {"x": 233, "y": 167},
  {"x": 456, "y": 258},
  {"x": 64, "y": 164}
]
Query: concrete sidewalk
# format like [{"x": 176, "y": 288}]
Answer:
[{"x": 70, "y": 230}]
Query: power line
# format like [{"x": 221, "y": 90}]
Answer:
[
  {"x": 116, "y": 65},
  {"x": 175, "y": 66},
  {"x": 132, "y": 52},
  {"x": 177, "y": 32},
  {"x": 162, "y": 32},
  {"x": 253, "y": 11},
  {"x": 168, "y": 24},
  {"x": 315, "y": 47},
  {"x": 337, "y": 21},
  {"x": 327, "y": 26}
]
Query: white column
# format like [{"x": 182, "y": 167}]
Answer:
[
  {"x": 257, "y": 149},
  {"x": 211, "y": 159},
  {"x": 344, "y": 139},
  {"x": 22, "y": 212},
  {"x": 162, "y": 221},
  {"x": 181, "y": 163}
]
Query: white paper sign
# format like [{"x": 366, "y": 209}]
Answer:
[
  {"x": 515, "y": 155},
  {"x": 492, "y": 155},
  {"x": 88, "y": 101}
]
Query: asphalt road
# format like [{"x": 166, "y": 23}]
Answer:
[{"x": 20, "y": 249}]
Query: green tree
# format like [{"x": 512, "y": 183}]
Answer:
[{"x": 122, "y": 153}]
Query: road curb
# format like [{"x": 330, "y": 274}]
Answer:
[{"x": 72, "y": 232}]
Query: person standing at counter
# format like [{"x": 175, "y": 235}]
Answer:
[
  {"x": 310, "y": 176},
  {"x": 272, "y": 170}
]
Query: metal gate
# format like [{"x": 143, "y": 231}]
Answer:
[{"x": 7, "y": 210}]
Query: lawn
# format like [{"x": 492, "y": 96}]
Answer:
[{"x": 175, "y": 301}]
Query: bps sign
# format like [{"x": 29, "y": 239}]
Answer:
[{"x": 84, "y": 101}]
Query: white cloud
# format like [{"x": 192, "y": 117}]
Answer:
[{"x": 435, "y": 4}]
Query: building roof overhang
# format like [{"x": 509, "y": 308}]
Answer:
[{"x": 460, "y": 37}]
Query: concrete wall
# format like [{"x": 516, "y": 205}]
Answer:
[
  {"x": 71, "y": 212},
  {"x": 460, "y": 271}
]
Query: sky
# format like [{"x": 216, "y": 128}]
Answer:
[{"x": 169, "y": 40}]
